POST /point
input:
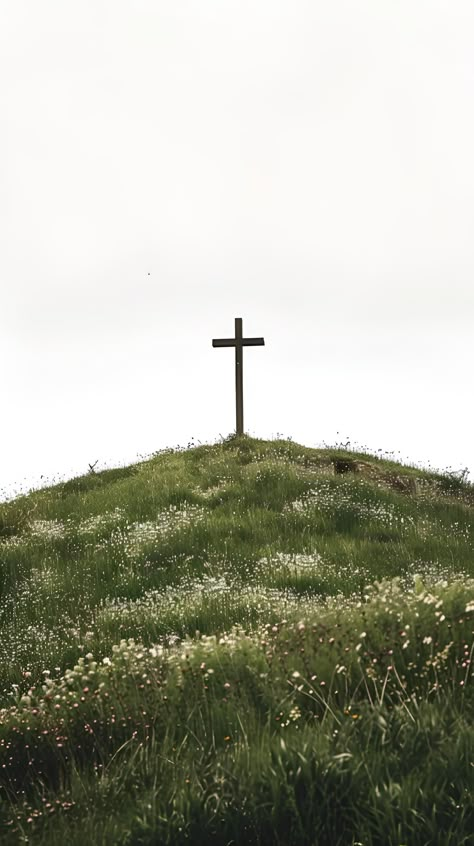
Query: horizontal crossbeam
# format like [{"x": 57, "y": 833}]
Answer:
[{"x": 232, "y": 342}]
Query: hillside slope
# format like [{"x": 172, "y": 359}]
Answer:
[{"x": 247, "y": 642}]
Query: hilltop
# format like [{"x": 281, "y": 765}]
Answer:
[{"x": 252, "y": 641}]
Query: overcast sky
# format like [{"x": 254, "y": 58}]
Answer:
[{"x": 169, "y": 165}]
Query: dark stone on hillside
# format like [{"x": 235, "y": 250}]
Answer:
[
  {"x": 396, "y": 481},
  {"x": 344, "y": 465},
  {"x": 353, "y": 465}
]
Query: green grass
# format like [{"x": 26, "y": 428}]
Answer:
[{"x": 252, "y": 642}]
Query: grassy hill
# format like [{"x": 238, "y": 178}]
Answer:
[{"x": 246, "y": 643}]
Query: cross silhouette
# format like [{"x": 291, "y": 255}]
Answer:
[{"x": 238, "y": 342}]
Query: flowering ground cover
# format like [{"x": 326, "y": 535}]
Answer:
[{"x": 246, "y": 643}]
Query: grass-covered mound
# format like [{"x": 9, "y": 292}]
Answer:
[{"x": 247, "y": 643}]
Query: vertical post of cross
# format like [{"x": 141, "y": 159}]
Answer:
[{"x": 239, "y": 379}]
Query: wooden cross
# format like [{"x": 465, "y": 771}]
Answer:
[{"x": 238, "y": 342}]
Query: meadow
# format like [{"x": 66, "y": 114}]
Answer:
[{"x": 251, "y": 642}]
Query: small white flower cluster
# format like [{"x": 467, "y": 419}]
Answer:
[
  {"x": 48, "y": 529},
  {"x": 328, "y": 498},
  {"x": 209, "y": 492},
  {"x": 220, "y": 596},
  {"x": 296, "y": 562},
  {"x": 107, "y": 520},
  {"x": 170, "y": 520}
]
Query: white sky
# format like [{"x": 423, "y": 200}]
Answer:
[{"x": 169, "y": 165}]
